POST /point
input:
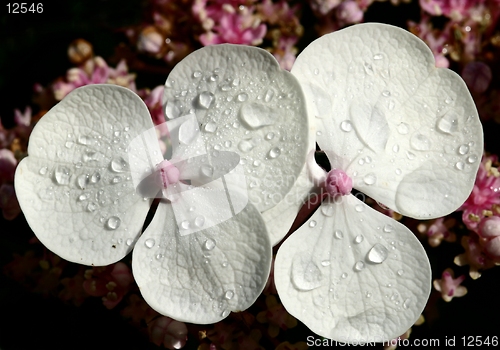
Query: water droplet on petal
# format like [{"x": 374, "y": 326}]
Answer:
[
  {"x": 116, "y": 179},
  {"x": 305, "y": 274},
  {"x": 395, "y": 148},
  {"x": 270, "y": 136},
  {"x": 400, "y": 272},
  {"x": 205, "y": 99},
  {"x": 43, "y": 170},
  {"x": 370, "y": 179},
  {"x": 130, "y": 241},
  {"x": 150, "y": 243},
  {"x": 197, "y": 74},
  {"x": 378, "y": 56},
  {"x": 420, "y": 142},
  {"x": 406, "y": 304},
  {"x": 172, "y": 109},
  {"x": 207, "y": 170},
  {"x": 358, "y": 239},
  {"x": 209, "y": 244},
  {"x": 359, "y": 208},
  {"x": 448, "y": 123},
  {"x": 460, "y": 165},
  {"x": 91, "y": 207},
  {"x": 339, "y": 234},
  {"x": 346, "y": 126},
  {"x": 344, "y": 275},
  {"x": 256, "y": 115},
  {"x": 388, "y": 228},
  {"x": 327, "y": 209},
  {"x": 269, "y": 95},
  {"x": 95, "y": 177},
  {"x": 113, "y": 222},
  {"x": 403, "y": 128},
  {"x": 242, "y": 97},
  {"x": 69, "y": 144},
  {"x": 325, "y": 263},
  {"x": 410, "y": 155},
  {"x": 313, "y": 223},
  {"x": 210, "y": 127},
  {"x": 188, "y": 131},
  {"x": 225, "y": 313},
  {"x": 472, "y": 159},
  {"x": 245, "y": 146},
  {"x": 62, "y": 175},
  {"x": 199, "y": 221},
  {"x": 274, "y": 152},
  {"x": 229, "y": 294},
  {"x": 118, "y": 165},
  {"x": 378, "y": 254},
  {"x": 464, "y": 149},
  {"x": 359, "y": 266},
  {"x": 185, "y": 225}
]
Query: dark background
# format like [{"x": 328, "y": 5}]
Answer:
[{"x": 33, "y": 50}]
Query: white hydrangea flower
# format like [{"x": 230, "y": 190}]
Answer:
[{"x": 401, "y": 131}]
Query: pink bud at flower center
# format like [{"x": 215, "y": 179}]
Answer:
[
  {"x": 338, "y": 182},
  {"x": 168, "y": 174}
]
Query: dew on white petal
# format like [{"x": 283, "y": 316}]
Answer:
[
  {"x": 116, "y": 179},
  {"x": 312, "y": 223},
  {"x": 420, "y": 142},
  {"x": 359, "y": 208},
  {"x": 185, "y": 225},
  {"x": 306, "y": 275},
  {"x": 403, "y": 128},
  {"x": 274, "y": 152},
  {"x": 210, "y": 127},
  {"x": 229, "y": 294},
  {"x": 43, "y": 170},
  {"x": 359, "y": 266},
  {"x": 395, "y": 148},
  {"x": 209, "y": 244},
  {"x": 130, "y": 241},
  {"x": 406, "y": 304},
  {"x": 460, "y": 165},
  {"x": 339, "y": 234},
  {"x": 370, "y": 179},
  {"x": 325, "y": 263},
  {"x": 118, "y": 165},
  {"x": 205, "y": 99},
  {"x": 410, "y": 155},
  {"x": 358, "y": 239},
  {"x": 344, "y": 275},
  {"x": 225, "y": 313},
  {"x": 150, "y": 243},
  {"x": 62, "y": 175},
  {"x": 388, "y": 228},
  {"x": 464, "y": 149},
  {"x": 472, "y": 159},
  {"x": 327, "y": 209},
  {"x": 95, "y": 177},
  {"x": 270, "y": 136},
  {"x": 378, "y": 254},
  {"x": 346, "y": 126},
  {"x": 113, "y": 222},
  {"x": 197, "y": 74},
  {"x": 91, "y": 207},
  {"x": 207, "y": 170},
  {"x": 245, "y": 146},
  {"x": 398, "y": 171},
  {"x": 269, "y": 95},
  {"x": 242, "y": 97},
  {"x": 448, "y": 123},
  {"x": 199, "y": 221},
  {"x": 400, "y": 272}
]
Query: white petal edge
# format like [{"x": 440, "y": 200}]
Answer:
[
  {"x": 424, "y": 126},
  {"x": 202, "y": 276},
  {"x": 353, "y": 274},
  {"x": 75, "y": 186},
  {"x": 246, "y": 104}
]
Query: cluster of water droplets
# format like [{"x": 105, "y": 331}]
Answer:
[
  {"x": 257, "y": 110},
  {"x": 94, "y": 178}
]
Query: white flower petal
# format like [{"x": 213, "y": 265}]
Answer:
[
  {"x": 407, "y": 133},
  {"x": 202, "y": 276},
  {"x": 351, "y": 273},
  {"x": 246, "y": 104},
  {"x": 75, "y": 187}
]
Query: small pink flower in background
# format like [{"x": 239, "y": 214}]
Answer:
[
  {"x": 454, "y": 9},
  {"x": 348, "y": 12},
  {"x": 110, "y": 282},
  {"x": 485, "y": 197},
  {"x": 150, "y": 40},
  {"x": 276, "y": 316},
  {"x": 23, "y": 119},
  {"x": 478, "y": 76},
  {"x": 450, "y": 287},
  {"x": 489, "y": 231},
  {"x": 154, "y": 103},
  {"x": 474, "y": 256},
  {"x": 438, "y": 231},
  {"x": 168, "y": 332},
  {"x": 121, "y": 76},
  {"x": 435, "y": 39},
  {"x": 322, "y": 7},
  {"x": 8, "y": 163},
  {"x": 231, "y": 24}
]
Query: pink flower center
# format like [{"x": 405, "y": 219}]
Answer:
[
  {"x": 168, "y": 174},
  {"x": 338, "y": 182}
]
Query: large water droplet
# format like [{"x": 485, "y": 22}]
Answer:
[
  {"x": 229, "y": 294},
  {"x": 199, "y": 221},
  {"x": 150, "y": 243},
  {"x": 448, "y": 123},
  {"x": 378, "y": 254},
  {"x": 472, "y": 159},
  {"x": 256, "y": 116},
  {"x": 113, "y": 222},
  {"x": 346, "y": 126},
  {"x": 118, "y": 164},
  {"x": 245, "y": 146},
  {"x": 62, "y": 175},
  {"x": 403, "y": 128},
  {"x": 209, "y": 244},
  {"x": 172, "y": 109},
  {"x": 205, "y": 99},
  {"x": 460, "y": 165},
  {"x": 464, "y": 149},
  {"x": 274, "y": 152},
  {"x": 420, "y": 142},
  {"x": 210, "y": 127},
  {"x": 370, "y": 179},
  {"x": 82, "y": 181},
  {"x": 305, "y": 274}
]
